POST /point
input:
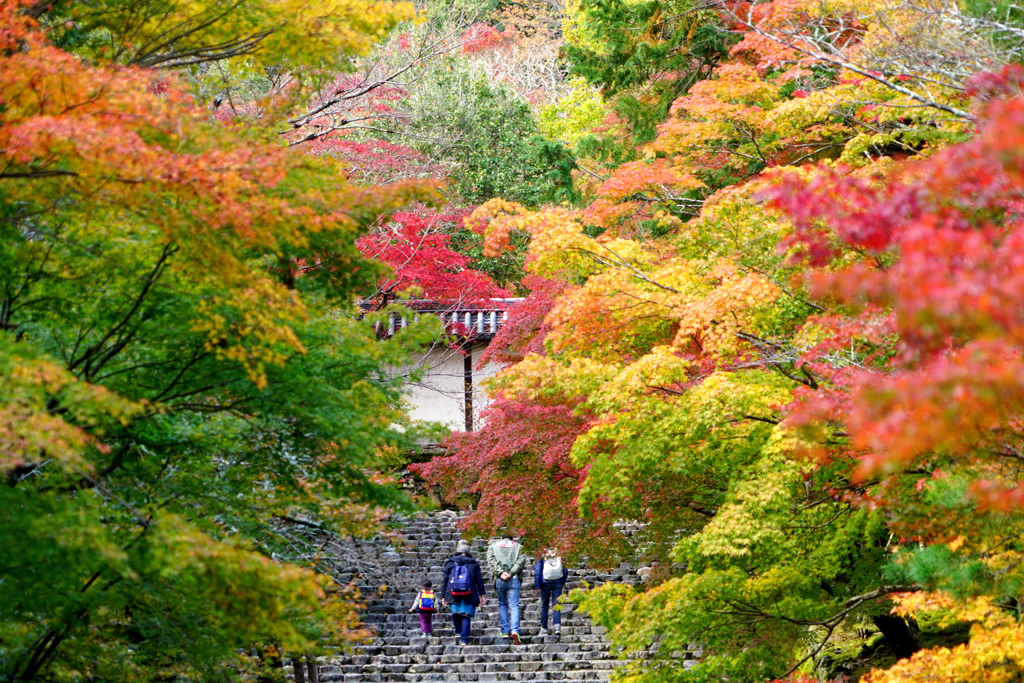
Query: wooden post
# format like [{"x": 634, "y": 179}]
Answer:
[{"x": 467, "y": 383}]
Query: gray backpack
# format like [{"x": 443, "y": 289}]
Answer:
[{"x": 552, "y": 569}]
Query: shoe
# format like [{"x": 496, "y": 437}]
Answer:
[
  {"x": 466, "y": 644},
  {"x": 543, "y": 632},
  {"x": 558, "y": 630},
  {"x": 503, "y": 635},
  {"x": 515, "y": 639}
]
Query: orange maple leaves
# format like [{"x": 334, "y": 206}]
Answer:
[
  {"x": 102, "y": 134},
  {"x": 994, "y": 653},
  {"x": 637, "y": 177}
]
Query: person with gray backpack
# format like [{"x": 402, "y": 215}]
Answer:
[{"x": 549, "y": 577}]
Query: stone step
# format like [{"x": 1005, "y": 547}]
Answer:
[
  {"x": 570, "y": 630},
  {"x": 557, "y": 660},
  {"x": 400, "y": 612},
  {"x": 446, "y": 676},
  {"x": 569, "y": 634},
  {"x": 404, "y": 638},
  {"x": 420, "y": 643}
]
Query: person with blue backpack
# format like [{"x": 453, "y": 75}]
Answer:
[
  {"x": 463, "y": 589},
  {"x": 549, "y": 577}
]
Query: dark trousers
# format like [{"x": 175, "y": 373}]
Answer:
[
  {"x": 462, "y": 623},
  {"x": 426, "y": 622},
  {"x": 549, "y": 594}
]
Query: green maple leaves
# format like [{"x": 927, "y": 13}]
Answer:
[{"x": 170, "y": 388}]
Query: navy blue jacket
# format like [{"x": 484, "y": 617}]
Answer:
[
  {"x": 538, "y": 575},
  {"x": 477, "y": 580}
]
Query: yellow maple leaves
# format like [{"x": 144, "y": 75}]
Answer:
[
  {"x": 286, "y": 33},
  {"x": 731, "y": 305},
  {"x": 751, "y": 516},
  {"x": 29, "y": 424},
  {"x": 541, "y": 378},
  {"x": 995, "y": 653},
  {"x": 558, "y": 241},
  {"x": 252, "y": 325},
  {"x": 632, "y": 289}
]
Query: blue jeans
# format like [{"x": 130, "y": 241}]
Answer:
[
  {"x": 462, "y": 624},
  {"x": 549, "y": 594},
  {"x": 508, "y": 601}
]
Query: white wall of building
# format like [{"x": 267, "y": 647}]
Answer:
[{"x": 440, "y": 395}]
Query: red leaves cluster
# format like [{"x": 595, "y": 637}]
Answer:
[
  {"x": 481, "y": 37},
  {"x": 990, "y": 85},
  {"x": 518, "y": 464},
  {"x": 16, "y": 28},
  {"x": 790, "y": 17},
  {"x": 861, "y": 213},
  {"x": 525, "y": 329},
  {"x": 417, "y": 247},
  {"x": 942, "y": 254}
]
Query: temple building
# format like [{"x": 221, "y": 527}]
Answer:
[{"x": 450, "y": 392}]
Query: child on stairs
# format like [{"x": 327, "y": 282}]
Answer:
[{"x": 426, "y": 604}]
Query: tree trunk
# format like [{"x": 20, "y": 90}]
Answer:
[
  {"x": 901, "y": 636},
  {"x": 312, "y": 673},
  {"x": 299, "y": 669}
]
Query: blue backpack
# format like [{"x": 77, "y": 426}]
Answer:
[{"x": 461, "y": 582}]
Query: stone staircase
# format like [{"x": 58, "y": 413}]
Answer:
[{"x": 400, "y": 653}]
